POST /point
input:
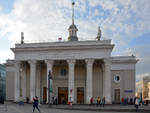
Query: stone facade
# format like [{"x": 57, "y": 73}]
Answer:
[{"x": 87, "y": 65}]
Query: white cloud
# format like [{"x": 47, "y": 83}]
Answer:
[
  {"x": 5, "y": 54},
  {"x": 46, "y": 20},
  {"x": 96, "y": 12}
]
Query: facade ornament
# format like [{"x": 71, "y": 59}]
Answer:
[
  {"x": 99, "y": 35},
  {"x": 89, "y": 61},
  {"x": 22, "y": 38},
  {"x": 71, "y": 61}
]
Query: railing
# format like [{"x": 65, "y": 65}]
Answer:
[{"x": 52, "y": 40}]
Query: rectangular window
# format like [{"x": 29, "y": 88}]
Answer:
[{"x": 63, "y": 72}]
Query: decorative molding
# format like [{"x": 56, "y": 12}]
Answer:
[
  {"x": 32, "y": 62},
  {"x": 71, "y": 61},
  {"x": 49, "y": 61},
  {"x": 107, "y": 61},
  {"x": 89, "y": 61},
  {"x": 81, "y": 45}
]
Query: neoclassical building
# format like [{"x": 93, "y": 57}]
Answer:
[{"x": 80, "y": 70}]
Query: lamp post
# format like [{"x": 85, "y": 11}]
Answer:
[{"x": 49, "y": 87}]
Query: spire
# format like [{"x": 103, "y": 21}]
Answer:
[
  {"x": 99, "y": 33},
  {"x": 72, "y": 28},
  {"x": 73, "y": 13}
]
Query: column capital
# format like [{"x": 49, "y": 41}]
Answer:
[
  {"x": 89, "y": 61},
  {"x": 71, "y": 61},
  {"x": 49, "y": 61},
  {"x": 107, "y": 61},
  {"x": 32, "y": 61}
]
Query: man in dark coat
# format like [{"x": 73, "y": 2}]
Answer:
[{"x": 36, "y": 104}]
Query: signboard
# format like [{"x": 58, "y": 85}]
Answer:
[{"x": 128, "y": 91}]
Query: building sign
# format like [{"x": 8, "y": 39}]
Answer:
[{"x": 128, "y": 91}]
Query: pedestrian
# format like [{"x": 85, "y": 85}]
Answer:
[
  {"x": 2, "y": 100},
  {"x": 103, "y": 101},
  {"x": 122, "y": 101},
  {"x": 35, "y": 104},
  {"x": 27, "y": 100},
  {"x": 52, "y": 100},
  {"x": 136, "y": 103},
  {"x": 56, "y": 101},
  {"x": 98, "y": 101},
  {"x": 131, "y": 101},
  {"x": 91, "y": 100}
]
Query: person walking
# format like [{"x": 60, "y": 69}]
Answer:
[
  {"x": 91, "y": 100},
  {"x": 137, "y": 103},
  {"x": 103, "y": 101},
  {"x": 35, "y": 104},
  {"x": 98, "y": 101}
]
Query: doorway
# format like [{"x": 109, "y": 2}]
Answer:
[
  {"x": 117, "y": 96},
  {"x": 62, "y": 95},
  {"x": 44, "y": 95},
  {"x": 80, "y": 95}
]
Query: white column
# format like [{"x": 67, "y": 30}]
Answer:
[
  {"x": 17, "y": 81},
  {"x": 24, "y": 81},
  {"x": 71, "y": 64},
  {"x": 32, "y": 79},
  {"x": 103, "y": 69},
  {"x": 49, "y": 68},
  {"x": 38, "y": 77},
  {"x": 107, "y": 81},
  {"x": 89, "y": 79}
]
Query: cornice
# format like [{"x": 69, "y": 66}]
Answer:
[
  {"x": 75, "y": 47},
  {"x": 44, "y": 44},
  {"x": 124, "y": 59}
]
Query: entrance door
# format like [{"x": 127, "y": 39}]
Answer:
[
  {"x": 62, "y": 95},
  {"x": 44, "y": 94},
  {"x": 117, "y": 95},
  {"x": 80, "y": 95}
]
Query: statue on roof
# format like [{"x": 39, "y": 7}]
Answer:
[
  {"x": 22, "y": 38},
  {"x": 99, "y": 33}
]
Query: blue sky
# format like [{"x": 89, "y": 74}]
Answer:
[
  {"x": 126, "y": 22},
  {"x": 6, "y": 5}
]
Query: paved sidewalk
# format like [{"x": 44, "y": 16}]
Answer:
[
  {"x": 27, "y": 108},
  {"x": 115, "y": 108}
]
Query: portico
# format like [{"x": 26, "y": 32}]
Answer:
[{"x": 73, "y": 78}]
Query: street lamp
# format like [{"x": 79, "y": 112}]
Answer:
[{"x": 49, "y": 86}]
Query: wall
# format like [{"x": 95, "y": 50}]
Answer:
[
  {"x": 10, "y": 75},
  {"x": 97, "y": 81},
  {"x": 126, "y": 84}
]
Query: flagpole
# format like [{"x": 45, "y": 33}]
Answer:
[{"x": 73, "y": 13}]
